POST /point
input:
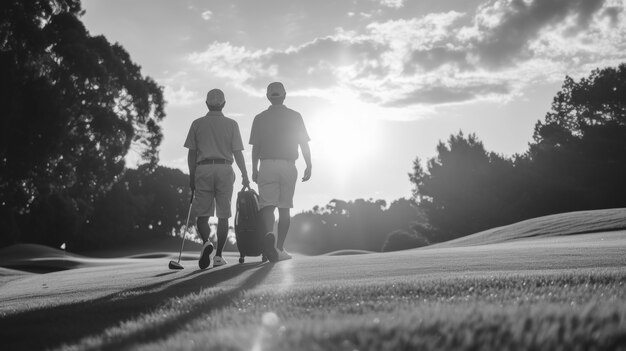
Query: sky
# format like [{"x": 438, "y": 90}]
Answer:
[{"x": 378, "y": 82}]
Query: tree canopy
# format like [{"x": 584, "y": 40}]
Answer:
[
  {"x": 579, "y": 150},
  {"x": 465, "y": 189},
  {"x": 72, "y": 104},
  {"x": 577, "y": 161}
]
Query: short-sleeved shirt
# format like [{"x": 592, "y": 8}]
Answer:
[
  {"x": 277, "y": 132},
  {"x": 214, "y": 136}
]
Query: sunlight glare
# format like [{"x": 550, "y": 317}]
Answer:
[{"x": 344, "y": 134}]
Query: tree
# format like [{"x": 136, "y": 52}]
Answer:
[
  {"x": 402, "y": 240},
  {"x": 579, "y": 150},
  {"x": 72, "y": 107},
  {"x": 465, "y": 189},
  {"x": 143, "y": 205},
  {"x": 576, "y": 162},
  {"x": 359, "y": 224}
]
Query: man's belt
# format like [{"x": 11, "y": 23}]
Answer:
[
  {"x": 215, "y": 161},
  {"x": 279, "y": 159}
]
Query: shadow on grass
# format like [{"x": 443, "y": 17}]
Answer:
[
  {"x": 161, "y": 330},
  {"x": 46, "y": 328}
]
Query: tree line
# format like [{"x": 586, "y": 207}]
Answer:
[
  {"x": 576, "y": 161},
  {"x": 356, "y": 225}
]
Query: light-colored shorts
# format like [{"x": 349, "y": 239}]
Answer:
[
  {"x": 214, "y": 186},
  {"x": 277, "y": 183}
]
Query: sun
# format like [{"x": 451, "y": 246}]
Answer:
[{"x": 345, "y": 135}]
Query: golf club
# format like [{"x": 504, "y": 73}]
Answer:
[{"x": 176, "y": 264}]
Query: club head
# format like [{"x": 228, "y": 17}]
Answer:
[{"x": 175, "y": 265}]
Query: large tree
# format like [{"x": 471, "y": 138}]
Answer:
[
  {"x": 579, "y": 150},
  {"x": 72, "y": 105},
  {"x": 465, "y": 189}
]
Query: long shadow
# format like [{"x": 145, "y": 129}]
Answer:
[
  {"x": 50, "y": 327},
  {"x": 161, "y": 330}
]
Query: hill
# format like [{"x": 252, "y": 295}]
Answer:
[{"x": 554, "y": 225}]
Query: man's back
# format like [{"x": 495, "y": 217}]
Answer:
[
  {"x": 215, "y": 136},
  {"x": 277, "y": 132}
]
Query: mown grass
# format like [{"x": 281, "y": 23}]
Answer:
[{"x": 503, "y": 311}]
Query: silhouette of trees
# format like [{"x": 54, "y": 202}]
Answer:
[
  {"x": 577, "y": 161},
  {"x": 72, "y": 106},
  {"x": 142, "y": 205},
  {"x": 465, "y": 189},
  {"x": 359, "y": 224},
  {"x": 402, "y": 240},
  {"x": 579, "y": 151}
]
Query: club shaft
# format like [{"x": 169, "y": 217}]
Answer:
[{"x": 186, "y": 226}]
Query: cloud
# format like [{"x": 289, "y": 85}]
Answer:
[
  {"x": 443, "y": 93},
  {"x": 181, "y": 96},
  {"x": 206, "y": 15},
  {"x": 440, "y": 58},
  {"x": 392, "y": 3},
  {"x": 316, "y": 64},
  {"x": 505, "y": 29},
  {"x": 176, "y": 89}
]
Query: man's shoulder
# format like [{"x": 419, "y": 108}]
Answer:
[
  {"x": 281, "y": 110},
  {"x": 196, "y": 122},
  {"x": 230, "y": 120},
  {"x": 292, "y": 111},
  {"x": 262, "y": 113}
]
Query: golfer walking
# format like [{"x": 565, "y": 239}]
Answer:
[
  {"x": 276, "y": 134},
  {"x": 214, "y": 141}
]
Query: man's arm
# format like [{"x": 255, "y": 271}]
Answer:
[
  {"x": 191, "y": 163},
  {"x": 241, "y": 163},
  {"x": 255, "y": 163},
  {"x": 306, "y": 153}
]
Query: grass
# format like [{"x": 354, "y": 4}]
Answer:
[
  {"x": 535, "y": 285},
  {"x": 574, "y": 311},
  {"x": 570, "y": 223}
]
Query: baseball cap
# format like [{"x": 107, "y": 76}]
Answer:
[
  {"x": 215, "y": 97},
  {"x": 276, "y": 90}
]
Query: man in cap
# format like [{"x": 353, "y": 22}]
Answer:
[
  {"x": 214, "y": 141},
  {"x": 276, "y": 134}
]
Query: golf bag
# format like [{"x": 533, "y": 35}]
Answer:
[{"x": 248, "y": 224}]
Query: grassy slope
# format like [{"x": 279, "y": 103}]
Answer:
[
  {"x": 546, "y": 292},
  {"x": 559, "y": 224}
]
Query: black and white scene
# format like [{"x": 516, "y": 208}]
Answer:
[{"x": 285, "y": 175}]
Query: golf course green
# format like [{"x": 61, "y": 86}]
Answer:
[{"x": 551, "y": 283}]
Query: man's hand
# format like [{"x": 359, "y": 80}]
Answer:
[
  {"x": 192, "y": 182},
  {"x": 255, "y": 175},
  {"x": 245, "y": 181},
  {"x": 307, "y": 174}
]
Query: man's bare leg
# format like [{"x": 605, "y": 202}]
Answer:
[
  {"x": 269, "y": 240},
  {"x": 222, "y": 234},
  {"x": 267, "y": 213},
  {"x": 205, "y": 231},
  {"x": 284, "y": 220},
  {"x": 203, "y": 228}
]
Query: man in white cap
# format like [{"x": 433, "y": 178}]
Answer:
[
  {"x": 214, "y": 141},
  {"x": 276, "y": 134}
]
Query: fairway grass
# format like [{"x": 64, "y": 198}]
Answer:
[
  {"x": 583, "y": 310},
  {"x": 546, "y": 287}
]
